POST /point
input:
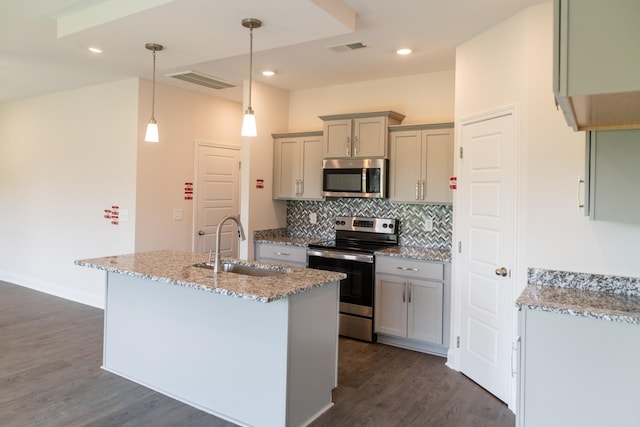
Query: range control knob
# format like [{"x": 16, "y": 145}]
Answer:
[
  {"x": 385, "y": 225},
  {"x": 390, "y": 225}
]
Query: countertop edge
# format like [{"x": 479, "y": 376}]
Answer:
[{"x": 322, "y": 277}]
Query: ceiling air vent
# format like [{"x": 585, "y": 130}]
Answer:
[
  {"x": 201, "y": 79},
  {"x": 347, "y": 47}
]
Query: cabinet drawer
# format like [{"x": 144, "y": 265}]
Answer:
[
  {"x": 410, "y": 268},
  {"x": 281, "y": 253}
]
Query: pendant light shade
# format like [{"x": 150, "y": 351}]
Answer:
[
  {"x": 151, "y": 135},
  {"x": 249, "y": 120},
  {"x": 249, "y": 124}
]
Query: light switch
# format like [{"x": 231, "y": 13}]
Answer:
[
  {"x": 313, "y": 217},
  {"x": 428, "y": 224},
  {"x": 177, "y": 214}
]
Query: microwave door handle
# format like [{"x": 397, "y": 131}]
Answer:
[{"x": 364, "y": 180}]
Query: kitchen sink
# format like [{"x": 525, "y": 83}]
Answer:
[{"x": 246, "y": 270}]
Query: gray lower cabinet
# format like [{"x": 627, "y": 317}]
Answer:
[
  {"x": 411, "y": 307},
  {"x": 612, "y": 184},
  {"x": 284, "y": 254},
  {"x": 577, "y": 371}
]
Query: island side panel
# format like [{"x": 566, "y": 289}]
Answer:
[
  {"x": 225, "y": 355},
  {"x": 313, "y": 353}
]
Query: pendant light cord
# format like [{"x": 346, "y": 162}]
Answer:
[
  {"x": 250, "y": 64},
  {"x": 153, "y": 91}
]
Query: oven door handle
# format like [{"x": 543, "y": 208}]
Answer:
[{"x": 359, "y": 257}]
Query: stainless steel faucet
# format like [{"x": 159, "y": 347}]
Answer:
[{"x": 235, "y": 218}]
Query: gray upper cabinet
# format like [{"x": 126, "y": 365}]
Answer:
[
  {"x": 297, "y": 166},
  {"x": 612, "y": 185},
  {"x": 362, "y": 135},
  {"x": 421, "y": 163},
  {"x": 597, "y": 63}
]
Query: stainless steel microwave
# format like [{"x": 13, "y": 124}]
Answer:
[{"x": 354, "y": 178}]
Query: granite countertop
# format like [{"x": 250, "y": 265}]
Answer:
[
  {"x": 611, "y": 298},
  {"x": 280, "y": 237},
  {"x": 177, "y": 268},
  {"x": 288, "y": 241},
  {"x": 418, "y": 253}
]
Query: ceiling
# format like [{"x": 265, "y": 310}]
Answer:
[{"x": 44, "y": 43}]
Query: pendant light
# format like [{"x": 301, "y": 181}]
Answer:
[
  {"x": 152, "y": 128},
  {"x": 249, "y": 120}
]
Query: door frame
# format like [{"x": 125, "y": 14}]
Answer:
[
  {"x": 196, "y": 151},
  {"x": 518, "y": 273}
]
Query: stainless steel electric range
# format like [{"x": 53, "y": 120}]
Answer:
[{"x": 357, "y": 238}]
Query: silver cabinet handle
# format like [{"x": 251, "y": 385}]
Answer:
[
  {"x": 348, "y": 145},
  {"x": 410, "y": 288},
  {"x": 355, "y": 146},
  {"x": 515, "y": 346},
  {"x": 580, "y": 181},
  {"x": 404, "y": 293},
  {"x": 422, "y": 190},
  {"x": 408, "y": 269},
  {"x": 301, "y": 187},
  {"x": 418, "y": 190},
  {"x": 282, "y": 253},
  {"x": 502, "y": 271}
]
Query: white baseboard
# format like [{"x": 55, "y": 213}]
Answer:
[{"x": 53, "y": 289}]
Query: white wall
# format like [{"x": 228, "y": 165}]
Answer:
[
  {"x": 512, "y": 64},
  {"x": 258, "y": 210},
  {"x": 183, "y": 117},
  {"x": 423, "y": 98},
  {"x": 64, "y": 158}
]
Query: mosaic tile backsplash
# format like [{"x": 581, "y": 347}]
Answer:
[{"x": 410, "y": 217}]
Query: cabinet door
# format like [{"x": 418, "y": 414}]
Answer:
[
  {"x": 390, "y": 314},
  {"x": 287, "y": 160},
  {"x": 370, "y": 137},
  {"x": 405, "y": 165},
  {"x": 438, "y": 150},
  {"x": 610, "y": 29},
  {"x": 614, "y": 176},
  {"x": 424, "y": 320},
  {"x": 312, "y": 152},
  {"x": 337, "y": 138}
]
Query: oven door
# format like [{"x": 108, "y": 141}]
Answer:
[
  {"x": 357, "y": 288},
  {"x": 356, "y": 291}
]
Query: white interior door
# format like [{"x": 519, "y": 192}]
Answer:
[
  {"x": 217, "y": 195},
  {"x": 485, "y": 229}
]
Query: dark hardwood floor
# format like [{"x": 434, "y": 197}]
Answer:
[{"x": 51, "y": 352}]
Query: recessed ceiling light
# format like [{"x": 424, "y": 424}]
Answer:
[
  {"x": 95, "y": 50},
  {"x": 268, "y": 73},
  {"x": 404, "y": 51}
]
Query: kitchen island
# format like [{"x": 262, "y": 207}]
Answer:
[{"x": 252, "y": 350}]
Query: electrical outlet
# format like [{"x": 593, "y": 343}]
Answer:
[
  {"x": 313, "y": 217},
  {"x": 428, "y": 224}
]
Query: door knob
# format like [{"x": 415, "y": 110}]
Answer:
[
  {"x": 502, "y": 271},
  {"x": 200, "y": 233}
]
